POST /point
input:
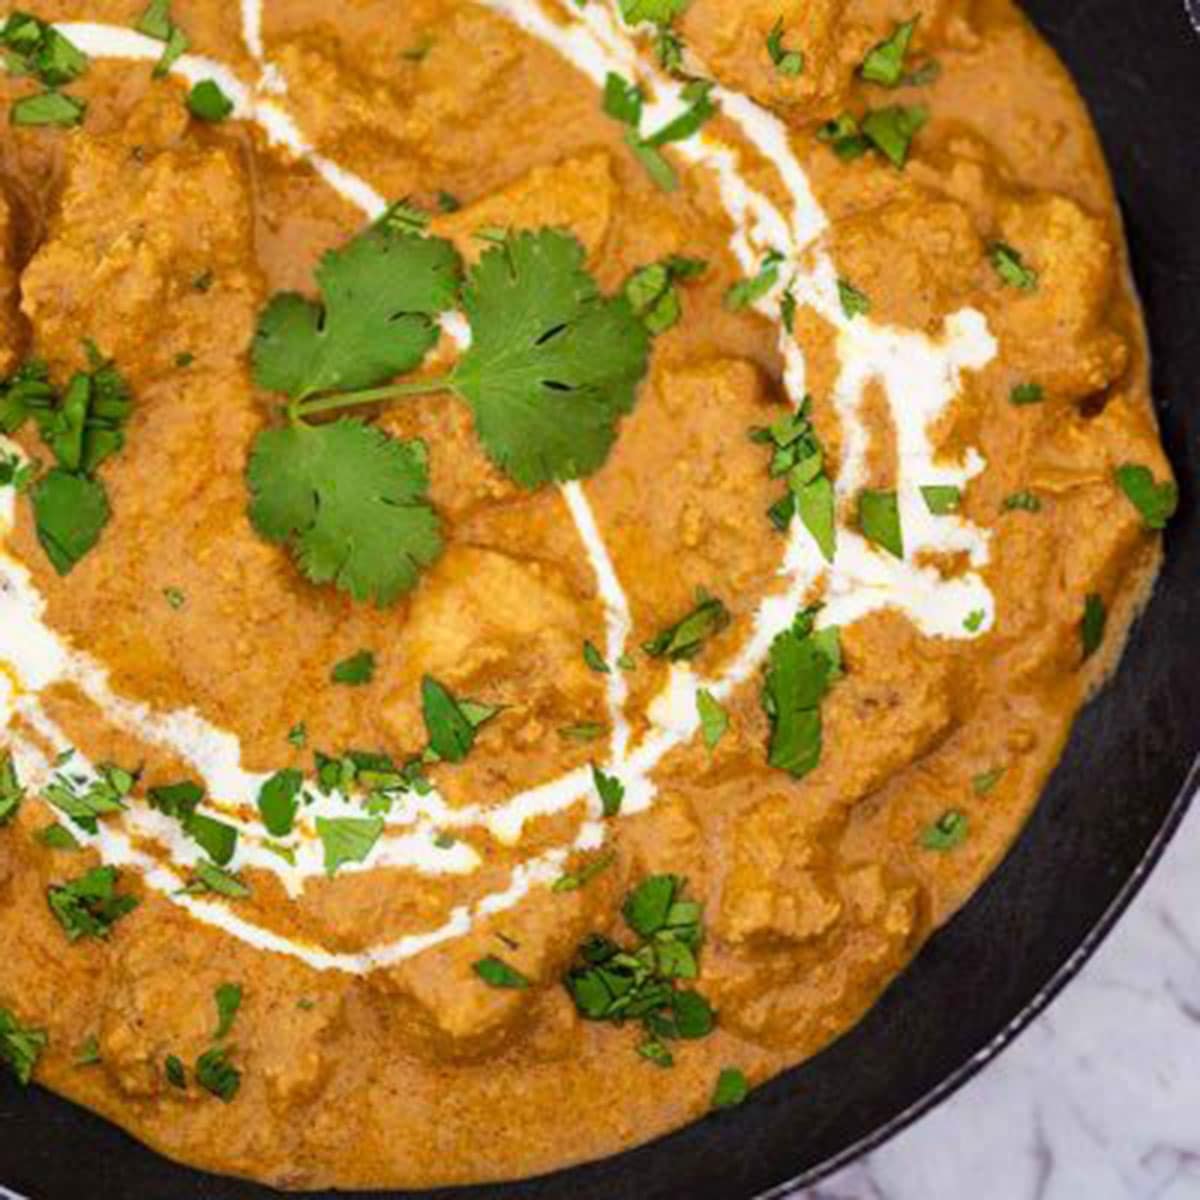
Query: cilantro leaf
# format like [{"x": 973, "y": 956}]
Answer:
[
  {"x": 685, "y": 639},
  {"x": 498, "y": 974},
  {"x": 20, "y": 1046},
  {"x": 660, "y": 12},
  {"x": 1010, "y": 267},
  {"x": 355, "y": 671},
  {"x": 88, "y": 907},
  {"x": 854, "y": 303},
  {"x": 207, "y": 102},
  {"x": 1095, "y": 619},
  {"x": 347, "y": 839},
  {"x": 787, "y": 62},
  {"x": 947, "y": 833},
  {"x": 1027, "y": 393},
  {"x": 731, "y": 1089},
  {"x": 801, "y": 667},
  {"x": 379, "y": 295},
  {"x": 714, "y": 719},
  {"x": 70, "y": 512},
  {"x": 216, "y": 1074},
  {"x": 452, "y": 724},
  {"x": 879, "y": 518},
  {"x": 1156, "y": 502},
  {"x": 552, "y": 364},
  {"x": 228, "y": 999},
  {"x": 12, "y": 794},
  {"x": 216, "y": 838},
  {"x": 352, "y": 503},
  {"x": 278, "y": 801},
  {"x": 610, "y": 790},
  {"x": 942, "y": 499},
  {"x": 884, "y": 64}
]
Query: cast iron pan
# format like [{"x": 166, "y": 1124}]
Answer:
[{"x": 1110, "y": 808}]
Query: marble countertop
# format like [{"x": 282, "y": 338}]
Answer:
[{"x": 1098, "y": 1100}]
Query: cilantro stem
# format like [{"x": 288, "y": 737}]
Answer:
[{"x": 419, "y": 387}]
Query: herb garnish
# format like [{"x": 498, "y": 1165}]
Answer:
[
  {"x": 731, "y": 1089},
  {"x": 355, "y": 671},
  {"x": 854, "y": 303},
  {"x": 879, "y": 519},
  {"x": 573, "y": 881},
  {"x": 12, "y": 794},
  {"x": 640, "y": 983},
  {"x": 20, "y": 1045},
  {"x": 33, "y": 47},
  {"x": 216, "y": 1074},
  {"x": 942, "y": 499},
  {"x": 1095, "y": 619},
  {"x": 1156, "y": 502},
  {"x": 1027, "y": 393},
  {"x": 1011, "y": 267},
  {"x": 279, "y": 801},
  {"x": 802, "y": 665},
  {"x": 748, "y": 292},
  {"x": 228, "y": 999},
  {"x": 947, "y": 833},
  {"x": 798, "y": 456},
  {"x": 884, "y": 64},
  {"x": 347, "y": 839},
  {"x": 552, "y": 367},
  {"x": 88, "y": 907},
  {"x": 787, "y": 62},
  {"x": 610, "y": 790},
  {"x": 498, "y": 974},
  {"x": 685, "y": 639},
  {"x": 156, "y": 23},
  {"x": 85, "y": 802},
  {"x": 652, "y": 293},
  {"x": 595, "y": 660},
  {"x": 889, "y": 130},
  {"x": 207, "y": 102},
  {"x": 714, "y": 720}
]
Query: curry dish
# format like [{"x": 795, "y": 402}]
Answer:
[{"x": 546, "y": 547}]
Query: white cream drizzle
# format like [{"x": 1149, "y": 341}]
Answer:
[{"x": 919, "y": 376}]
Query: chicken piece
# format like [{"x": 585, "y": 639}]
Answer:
[
  {"x": 731, "y": 41},
  {"x": 147, "y": 257},
  {"x": 892, "y": 707},
  {"x": 917, "y": 258},
  {"x": 576, "y": 195},
  {"x": 698, "y": 508},
  {"x": 502, "y": 630},
  {"x": 1057, "y": 332},
  {"x": 774, "y": 890}
]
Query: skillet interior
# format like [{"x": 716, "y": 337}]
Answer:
[{"x": 1116, "y": 796}]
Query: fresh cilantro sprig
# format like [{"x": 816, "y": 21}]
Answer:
[
  {"x": 553, "y": 365},
  {"x": 20, "y": 1045}
]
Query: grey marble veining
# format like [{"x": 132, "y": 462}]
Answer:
[{"x": 1098, "y": 1100}]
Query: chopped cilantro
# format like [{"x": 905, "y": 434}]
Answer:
[
  {"x": 595, "y": 660},
  {"x": 889, "y": 130},
  {"x": 1024, "y": 501},
  {"x": 1095, "y": 619},
  {"x": 88, "y": 1052},
  {"x": 175, "y": 1072},
  {"x": 685, "y": 639},
  {"x": 714, "y": 720},
  {"x": 207, "y": 102},
  {"x": 748, "y": 292},
  {"x": 1156, "y": 502},
  {"x": 797, "y": 454},
  {"x": 174, "y": 597},
  {"x": 731, "y": 1089},
  {"x": 1011, "y": 268},
  {"x": 216, "y": 838},
  {"x": 279, "y": 801},
  {"x": 623, "y": 101},
  {"x": 973, "y": 622},
  {"x": 88, "y": 907},
  {"x": 450, "y": 728},
  {"x": 207, "y": 877},
  {"x": 178, "y": 800},
  {"x": 885, "y": 62},
  {"x": 573, "y": 881},
  {"x": 20, "y": 1045},
  {"x": 298, "y": 735},
  {"x": 658, "y": 12},
  {"x": 70, "y": 512},
  {"x": 652, "y": 293},
  {"x": 347, "y": 839},
  {"x": 355, "y": 671},
  {"x": 216, "y": 1074},
  {"x": 801, "y": 666},
  {"x": 583, "y": 731},
  {"x": 947, "y": 833},
  {"x": 1027, "y": 393},
  {"x": 498, "y": 974},
  {"x": 12, "y": 794},
  {"x": 984, "y": 783},
  {"x": 48, "y": 108},
  {"x": 787, "y": 62},
  {"x": 612, "y": 983},
  {"x": 879, "y": 519},
  {"x": 228, "y": 999},
  {"x": 942, "y": 499},
  {"x": 57, "y": 837},
  {"x": 156, "y": 23},
  {"x": 83, "y": 803},
  {"x": 854, "y": 303},
  {"x": 610, "y": 790}
]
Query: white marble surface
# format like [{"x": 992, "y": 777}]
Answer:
[{"x": 1098, "y": 1100}]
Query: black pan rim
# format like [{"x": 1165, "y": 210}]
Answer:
[{"x": 1041, "y": 1001}]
